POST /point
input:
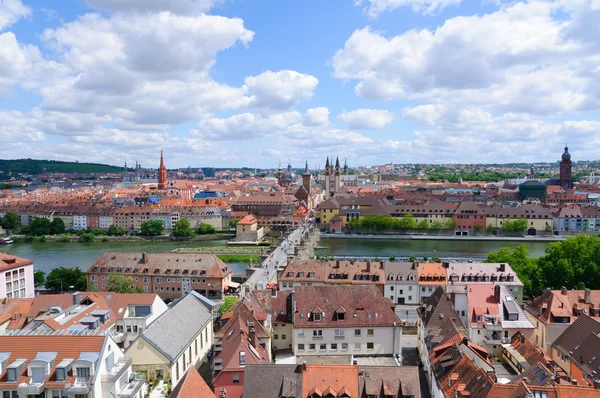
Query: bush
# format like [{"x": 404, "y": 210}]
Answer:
[
  {"x": 28, "y": 239},
  {"x": 105, "y": 239},
  {"x": 87, "y": 237},
  {"x": 205, "y": 229},
  {"x": 42, "y": 239},
  {"x": 392, "y": 258},
  {"x": 63, "y": 239}
]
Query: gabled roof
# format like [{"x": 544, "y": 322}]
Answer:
[
  {"x": 272, "y": 381},
  {"x": 8, "y": 261},
  {"x": 175, "y": 329},
  {"x": 192, "y": 386}
]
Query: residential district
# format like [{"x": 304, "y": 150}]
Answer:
[{"x": 297, "y": 325}]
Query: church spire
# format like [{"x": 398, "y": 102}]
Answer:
[{"x": 162, "y": 173}]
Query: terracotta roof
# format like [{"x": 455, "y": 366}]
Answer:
[
  {"x": 28, "y": 347},
  {"x": 8, "y": 261},
  {"x": 248, "y": 220},
  {"x": 392, "y": 380},
  {"x": 364, "y": 304},
  {"x": 334, "y": 272},
  {"x": 174, "y": 264},
  {"x": 564, "y": 303},
  {"x": 332, "y": 378},
  {"x": 192, "y": 386},
  {"x": 432, "y": 274}
]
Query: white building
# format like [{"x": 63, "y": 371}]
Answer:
[
  {"x": 135, "y": 316},
  {"x": 401, "y": 285},
  {"x": 79, "y": 222},
  {"x": 16, "y": 277},
  {"x": 67, "y": 366},
  {"x": 344, "y": 320},
  {"x": 177, "y": 340}
]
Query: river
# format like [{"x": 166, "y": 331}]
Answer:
[
  {"x": 47, "y": 256},
  {"x": 467, "y": 249}
]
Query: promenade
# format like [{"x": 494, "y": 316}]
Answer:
[{"x": 446, "y": 237}]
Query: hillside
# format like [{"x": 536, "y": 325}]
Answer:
[{"x": 34, "y": 166}]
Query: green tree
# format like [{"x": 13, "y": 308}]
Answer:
[
  {"x": 490, "y": 228},
  {"x": 478, "y": 228},
  {"x": 39, "y": 226},
  {"x": 233, "y": 223},
  {"x": 57, "y": 226},
  {"x": 182, "y": 228},
  {"x": 39, "y": 278},
  {"x": 63, "y": 278},
  {"x": 227, "y": 304},
  {"x": 205, "y": 229},
  {"x": 10, "y": 220},
  {"x": 423, "y": 224},
  {"x": 122, "y": 284},
  {"x": 451, "y": 224},
  {"x": 392, "y": 259},
  {"x": 87, "y": 237},
  {"x": 152, "y": 228},
  {"x": 548, "y": 228},
  {"x": 407, "y": 221},
  {"x": 112, "y": 230},
  {"x": 437, "y": 225}
]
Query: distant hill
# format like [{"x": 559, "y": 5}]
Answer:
[{"x": 34, "y": 166}]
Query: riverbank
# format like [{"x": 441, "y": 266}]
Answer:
[
  {"x": 127, "y": 238},
  {"x": 239, "y": 258},
  {"x": 448, "y": 238}
]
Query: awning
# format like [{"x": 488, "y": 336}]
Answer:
[{"x": 233, "y": 285}]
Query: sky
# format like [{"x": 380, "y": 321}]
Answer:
[{"x": 256, "y": 83}]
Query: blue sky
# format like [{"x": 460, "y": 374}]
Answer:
[{"x": 252, "y": 83}]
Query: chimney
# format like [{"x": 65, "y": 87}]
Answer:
[
  {"x": 465, "y": 341},
  {"x": 381, "y": 263},
  {"x": 563, "y": 290},
  {"x": 337, "y": 263},
  {"x": 273, "y": 291},
  {"x": 252, "y": 337},
  {"x": 446, "y": 264},
  {"x": 304, "y": 366},
  {"x": 144, "y": 258},
  {"x": 77, "y": 298},
  {"x": 502, "y": 267},
  {"x": 588, "y": 296},
  {"x": 369, "y": 266},
  {"x": 497, "y": 294}
]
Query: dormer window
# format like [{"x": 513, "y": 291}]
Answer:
[
  {"x": 290, "y": 274},
  {"x": 316, "y": 316},
  {"x": 311, "y": 274},
  {"x": 340, "y": 316},
  {"x": 300, "y": 274}
]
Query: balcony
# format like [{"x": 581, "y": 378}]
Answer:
[
  {"x": 79, "y": 387},
  {"x": 136, "y": 382},
  {"x": 117, "y": 370},
  {"x": 30, "y": 388},
  {"x": 218, "y": 346}
]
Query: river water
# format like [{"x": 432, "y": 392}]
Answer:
[
  {"x": 467, "y": 249},
  {"x": 47, "y": 256}
]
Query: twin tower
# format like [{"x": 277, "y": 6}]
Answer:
[{"x": 333, "y": 177}]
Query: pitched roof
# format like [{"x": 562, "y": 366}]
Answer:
[
  {"x": 272, "y": 381},
  {"x": 177, "y": 327},
  {"x": 8, "y": 261},
  {"x": 335, "y": 272},
  {"x": 392, "y": 380},
  {"x": 564, "y": 303},
  {"x": 365, "y": 306},
  {"x": 192, "y": 386},
  {"x": 248, "y": 220},
  {"x": 332, "y": 378}
]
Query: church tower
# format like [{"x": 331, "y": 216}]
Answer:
[
  {"x": 338, "y": 176},
  {"x": 327, "y": 179},
  {"x": 162, "y": 173},
  {"x": 345, "y": 166},
  {"x": 566, "y": 178},
  {"x": 306, "y": 178}
]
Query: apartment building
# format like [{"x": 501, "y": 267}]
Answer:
[
  {"x": 401, "y": 284},
  {"x": 332, "y": 272},
  {"x": 170, "y": 275},
  {"x": 178, "y": 340},
  {"x": 67, "y": 366},
  {"x": 344, "y": 320},
  {"x": 16, "y": 277}
]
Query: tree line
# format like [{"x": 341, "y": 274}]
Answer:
[
  {"x": 573, "y": 263},
  {"x": 408, "y": 221}
]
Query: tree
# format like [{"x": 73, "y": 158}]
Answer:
[
  {"x": 233, "y": 223},
  {"x": 182, "y": 228},
  {"x": 152, "y": 228},
  {"x": 490, "y": 228},
  {"x": 423, "y": 224},
  {"x": 57, "y": 226},
  {"x": 112, "y": 230},
  {"x": 87, "y": 237},
  {"x": 39, "y": 278},
  {"x": 451, "y": 224},
  {"x": 205, "y": 229},
  {"x": 39, "y": 226},
  {"x": 122, "y": 284},
  {"x": 61, "y": 279},
  {"x": 548, "y": 228},
  {"x": 437, "y": 225},
  {"x": 10, "y": 220},
  {"x": 407, "y": 221},
  {"x": 227, "y": 304},
  {"x": 478, "y": 228}
]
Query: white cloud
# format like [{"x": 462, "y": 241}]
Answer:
[
  {"x": 377, "y": 7},
  {"x": 17, "y": 62},
  {"x": 280, "y": 90},
  {"x": 367, "y": 119},
  {"x": 316, "y": 117},
  {"x": 177, "y": 6},
  {"x": 16, "y": 127},
  {"x": 521, "y": 58},
  {"x": 11, "y": 11},
  {"x": 244, "y": 126}
]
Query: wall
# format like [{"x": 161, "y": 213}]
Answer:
[
  {"x": 395, "y": 289},
  {"x": 225, "y": 380},
  {"x": 382, "y": 340},
  {"x": 280, "y": 330}
]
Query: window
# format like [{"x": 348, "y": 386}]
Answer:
[
  {"x": 334, "y": 346},
  {"x": 370, "y": 346},
  {"x": 276, "y": 337},
  {"x": 322, "y": 347},
  {"x": 462, "y": 313},
  {"x": 357, "y": 346},
  {"x": 38, "y": 374},
  {"x": 370, "y": 332},
  {"x": 341, "y": 316},
  {"x": 410, "y": 288},
  {"x": 356, "y": 332},
  {"x": 317, "y": 333},
  {"x": 300, "y": 333},
  {"x": 283, "y": 337},
  {"x": 177, "y": 370},
  {"x": 236, "y": 378},
  {"x": 345, "y": 346},
  {"x": 158, "y": 280},
  {"x": 392, "y": 288},
  {"x": 300, "y": 347},
  {"x": 242, "y": 358},
  {"x": 311, "y": 347},
  {"x": 196, "y": 347},
  {"x": 423, "y": 289},
  {"x": 477, "y": 318},
  {"x": 316, "y": 317},
  {"x": 339, "y": 332},
  {"x": 93, "y": 277},
  {"x": 83, "y": 373}
]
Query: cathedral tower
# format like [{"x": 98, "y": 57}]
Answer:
[
  {"x": 566, "y": 178},
  {"x": 162, "y": 173}
]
